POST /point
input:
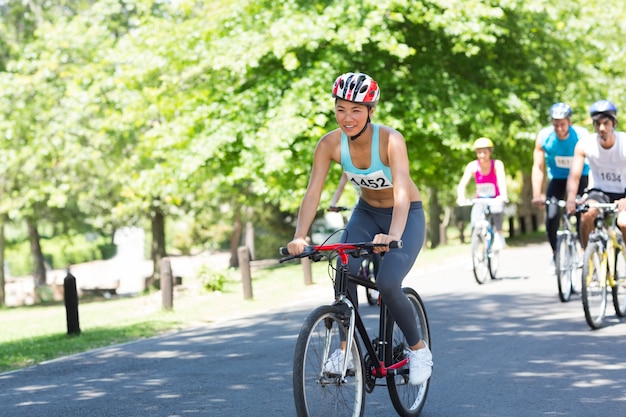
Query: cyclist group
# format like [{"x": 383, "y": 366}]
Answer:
[
  {"x": 374, "y": 158},
  {"x": 582, "y": 167}
]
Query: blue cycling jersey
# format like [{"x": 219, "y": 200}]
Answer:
[{"x": 560, "y": 152}]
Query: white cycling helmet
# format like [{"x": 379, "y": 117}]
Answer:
[
  {"x": 560, "y": 111},
  {"x": 357, "y": 88}
]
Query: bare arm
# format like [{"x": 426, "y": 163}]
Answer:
[
  {"x": 322, "y": 159},
  {"x": 460, "y": 189},
  {"x": 501, "y": 178},
  {"x": 339, "y": 190},
  {"x": 402, "y": 184},
  {"x": 538, "y": 173}
]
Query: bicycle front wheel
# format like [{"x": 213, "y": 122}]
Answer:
[
  {"x": 494, "y": 259},
  {"x": 563, "y": 262},
  {"x": 480, "y": 261},
  {"x": 317, "y": 392},
  {"x": 577, "y": 261},
  {"x": 619, "y": 289},
  {"x": 407, "y": 399},
  {"x": 594, "y": 289}
]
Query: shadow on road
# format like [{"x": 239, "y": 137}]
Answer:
[{"x": 495, "y": 355}]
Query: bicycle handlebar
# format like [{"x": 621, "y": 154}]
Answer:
[
  {"x": 560, "y": 203},
  {"x": 583, "y": 207},
  {"x": 484, "y": 200},
  {"x": 337, "y": 247},
  {"x": 599, "y": 206}
]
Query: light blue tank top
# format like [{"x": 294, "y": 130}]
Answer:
[
  {"x": 377, "y": 176},
  {"x": 560, "y": 153}
]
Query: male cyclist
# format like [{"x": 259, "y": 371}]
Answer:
[
  {"x": 606, "y": 153},
  {"x": 554, "y": 152}
]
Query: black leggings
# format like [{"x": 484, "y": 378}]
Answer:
[
  {"x": 367, "y": 221},
  {"x": 557, "y": 189}
]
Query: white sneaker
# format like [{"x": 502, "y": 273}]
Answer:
[
  {"x": 499, "y": 242},
  {"x": 334, "y": 364},
  {"x": 420, "y": 365}
]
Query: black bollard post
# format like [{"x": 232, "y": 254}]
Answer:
[{"x": 71, "y": 303}]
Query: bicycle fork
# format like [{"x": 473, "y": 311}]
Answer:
[
  {"x": 350, "y": 336},
  {"x": 602, "y": 270}
]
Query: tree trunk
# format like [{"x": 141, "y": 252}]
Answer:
[
  {"x": 434, "y": 209},
  {"x": 158, "y": 240},
  {"x": 2, "y": 277},
  {"x": 235, "y": 238},
  {"x": 527, "y": 213},
  {"x": 39, "y": 273}
]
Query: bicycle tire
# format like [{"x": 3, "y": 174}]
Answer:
[
  {"x": 619, "y": 289},
  {"x": 480, "y": 261},
  {"x": 493, "y": 258},
  {"x": 317, "y": 393},
  {"x": 594, "y": 285},
  {"x": 563, "y": 263},
  {"x": 577, "y": 272},
  {"x": 408, "y": 400}
]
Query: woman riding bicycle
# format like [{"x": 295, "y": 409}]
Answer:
[
  {"x": 374, "y": 158},
  {"x": 490, "y": 179}
]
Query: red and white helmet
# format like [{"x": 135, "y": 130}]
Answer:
[{"x": 357, "y": 88}]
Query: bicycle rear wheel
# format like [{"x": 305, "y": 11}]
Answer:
[
  {"x": 371, "y": 294},
  {"x": 564, "y": 263},
  {"x": 316, "y": 392},
  {"x": 619, "y": 289},
  {"x": 480, "y": 261},
  {"x": 407, "y": 399},
  {"x": 594, "y": 285}
]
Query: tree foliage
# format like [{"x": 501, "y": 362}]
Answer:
[{"x": 113, "y": 109}]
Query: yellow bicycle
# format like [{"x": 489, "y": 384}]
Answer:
[{"x": 604, "y": 267}]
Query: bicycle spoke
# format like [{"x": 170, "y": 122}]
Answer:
[
  {"x": 407, "y": 399},
  {"x": 316, "y": 391},
  {"x": 619, "y": 289},
  {"x": 594, "y": 289},
  {"x": 564, "y": 264},
  {"x": 479, "y": 257}
]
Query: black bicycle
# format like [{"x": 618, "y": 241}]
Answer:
[
  {"x": 369, "y": 362},
  {"x": 368, "y": 268}
]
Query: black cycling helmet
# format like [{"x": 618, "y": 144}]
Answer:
[{"x": 601, "y": 109}]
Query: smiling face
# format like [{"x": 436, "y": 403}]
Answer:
[
  {"x": 351, "y": 117},
  {"x": 561, "y": 127},
  {"x": 483, "y": 154}
]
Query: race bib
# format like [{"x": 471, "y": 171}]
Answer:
[
  {"x": 610, "y": 181},
  {"x": 563, "y": 161},
  {"x": 374, "y": 181},
  {"x": 486, "y": 189}
]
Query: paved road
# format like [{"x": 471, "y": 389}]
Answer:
[{"x": 507, "y": 348}]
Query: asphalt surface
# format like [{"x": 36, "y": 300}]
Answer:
[{"x": 506, "y": 348}]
